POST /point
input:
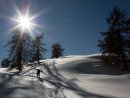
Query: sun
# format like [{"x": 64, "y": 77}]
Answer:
[{"x": 24, "y": 23}]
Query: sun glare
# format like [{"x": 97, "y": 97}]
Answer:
[{"x": 25, "y": 23}]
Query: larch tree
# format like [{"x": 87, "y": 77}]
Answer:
[
  {"x": 114, "y": 46},
  {"x": 38, "y": 50},
  {"x": 17, "y": 49},
  {"x": 57, "y": 50}
]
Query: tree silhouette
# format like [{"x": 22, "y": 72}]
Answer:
[
  {"x": 57, "y": 50},
  {"x": 114, "y": 46},
  {"x": 5, "y": 62},
  {"x": 38, "y": 48},
  {"x": 17, "y": 49}
]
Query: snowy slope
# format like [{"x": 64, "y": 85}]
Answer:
[
  {"x": 88, "y": 78},
  {"x": 75, "y": 76}
]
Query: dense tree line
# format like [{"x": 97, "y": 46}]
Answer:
[{"x": 115, "y": 45}]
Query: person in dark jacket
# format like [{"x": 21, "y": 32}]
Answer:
[{"x": 38, "y": 73}]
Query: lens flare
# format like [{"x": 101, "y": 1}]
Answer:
[{"x": 24, "y": 22}]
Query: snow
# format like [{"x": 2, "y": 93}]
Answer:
[{"x": 75, "y": 76}]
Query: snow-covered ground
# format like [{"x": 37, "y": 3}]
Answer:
[{"x": 75, "y": 76}]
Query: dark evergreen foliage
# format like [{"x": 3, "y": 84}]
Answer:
[
  {"x": 115, "y": 46},
  {"x": 5, "y": 62},
  {"x": 57, "y": 50},
  {"x": 18, "y": 52},
  {"x": 38, "y": 49}
]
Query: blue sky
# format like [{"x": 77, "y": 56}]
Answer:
[{"x": 74, "y": 23}]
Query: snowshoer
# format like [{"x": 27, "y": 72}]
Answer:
[{"x": 38, "y": 73}]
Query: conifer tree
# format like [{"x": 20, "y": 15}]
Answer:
[
  {"x": 38, "y": 49},
  {"x": 17, "y": 49},
  {"x": 57, "y": 50},
  {"x": 114, "y": 46},
  {"x": 5, "y": 62}
]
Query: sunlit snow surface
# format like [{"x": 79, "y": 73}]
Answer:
[{"x": 75, "y": 76}]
